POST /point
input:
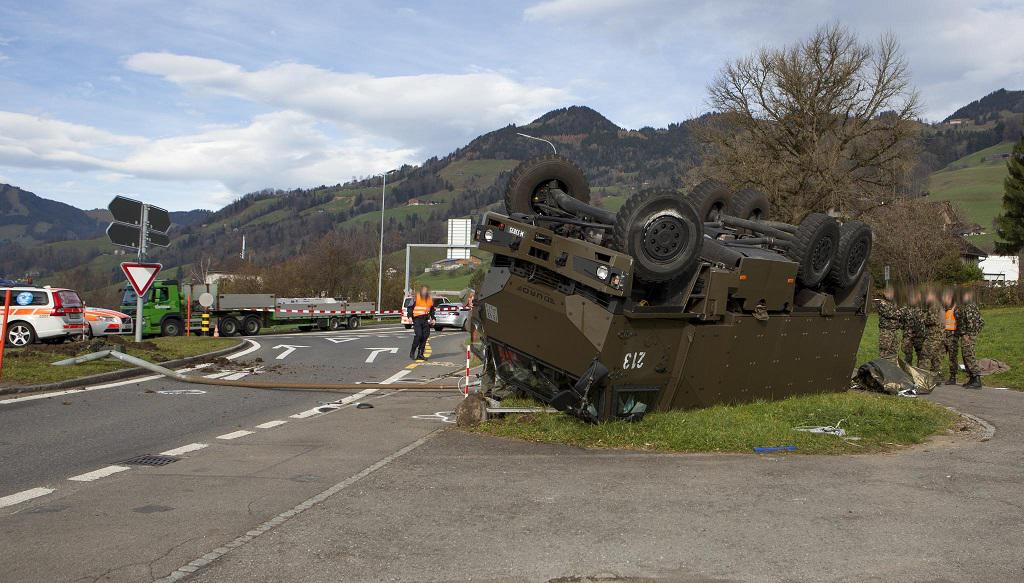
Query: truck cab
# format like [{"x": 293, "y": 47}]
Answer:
[{"x": 162, "y": 310}]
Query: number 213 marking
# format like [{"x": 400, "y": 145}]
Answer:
[{"x": 633, "y": 360}]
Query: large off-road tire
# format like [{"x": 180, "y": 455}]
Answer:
[
  {"x": 814, "y": 248},
  {"x": 531, "y": 177},
  {"x": 20, "y": 334},
  {"x": 749, "y": 204},
  {"x": 709, "y": 199},
  {"x": 851, "y": 256},
  {"x": 662, "y": 232}
]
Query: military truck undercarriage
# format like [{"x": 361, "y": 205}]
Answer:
[{"x": 675, "y": 301}]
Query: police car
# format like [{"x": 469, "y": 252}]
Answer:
[{"x": 42, "y": 314}]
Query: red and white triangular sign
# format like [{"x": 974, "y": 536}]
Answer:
[{"x": 140, "y": 275}]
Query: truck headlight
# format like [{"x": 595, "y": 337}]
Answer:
[
  {"x": 489, "y": 235},
  {"x": 602, "y": 272}
]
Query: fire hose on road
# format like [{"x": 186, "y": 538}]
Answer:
[{"x": 282, "y": 386}]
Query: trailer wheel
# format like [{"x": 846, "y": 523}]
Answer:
[
  {"x": 353, "y": 323},
  {"x": 526, "y": 189},
  {"x": 170, "y": 327},
  {"x": 852, "y": 255},
  {"x": 709, "y": 199},
  {"x": 662, "y": 232},
  {"x": 749, "y": 204},
  {"x": 251, "y": 325},
  {"x": 229, "y": 326},
  {"x": 814, "y": 248},
  {"x": 335, "y": 324}
]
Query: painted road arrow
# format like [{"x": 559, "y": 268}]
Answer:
[
  {"x": 288, "y": 349},
  {"x": 376, "y": 351},
  {"x": 340, "y": 340}
]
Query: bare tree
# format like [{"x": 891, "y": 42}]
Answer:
[
  {"x": 920, "y": 257},
  {"x": 828, "y": 123}
]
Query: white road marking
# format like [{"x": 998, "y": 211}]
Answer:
[
  {"x": 236, "y": 376},
  {"x": 396, "y": 377},
  {"x": 185, "y": 449},
  {"x": 335, "y": 405},
  {"x": 97, "y": 474},
  {"x": 306, "y": 413},
  {"x": 24, "y": 496},
  {"x": 375, "y": 351},
  {"x": 341, "y": 339},
  {"x": 255, "y": 346},
  {"x": 288, "y": 349},
  {"x": 235, "y": 434},
  {"x": 217, "y": 375},
  {"x": 270, "y": 424},
  {"x": 96, "y": 387}
]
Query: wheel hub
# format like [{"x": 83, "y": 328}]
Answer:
[
  {"x": 857, "y": 257},
  {"x": 822, "y": 254},
  {"x": 663, "y": 237}
]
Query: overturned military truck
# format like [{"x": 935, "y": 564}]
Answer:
[{"x": 675, "y": 301}]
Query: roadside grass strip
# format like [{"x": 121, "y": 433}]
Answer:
[{"x": 881, "y": 422}]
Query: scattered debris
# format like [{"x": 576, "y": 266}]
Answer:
[
  {"x": 364, "y": 406},
  {"x": 471, "y": 411}
]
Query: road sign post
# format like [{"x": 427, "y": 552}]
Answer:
[
  {"x": 137, "y": 225},
  {"x": 140, "y": 275},
  {"x": 3, "y": 329}
]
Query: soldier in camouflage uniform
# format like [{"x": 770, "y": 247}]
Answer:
[
  {"x": 913, "y": 329},
  {"x": 931, "y": 355},
  {"x": 890, "y": 320},
  {"x": 968, "y": 325}
]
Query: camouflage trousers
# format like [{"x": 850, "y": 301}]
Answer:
[
  {"x": 967, "y": 344},
  {"x": 952, "y": 342},
  {"x": 888, "y": 343},
  {"x": 931, "y": 353},
  {"x": 911, "y": 345}
]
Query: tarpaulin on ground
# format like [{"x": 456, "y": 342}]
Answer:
[{"x": 894, "y": 377}]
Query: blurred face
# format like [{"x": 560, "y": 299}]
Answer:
[{"x": 424, "y": 291}]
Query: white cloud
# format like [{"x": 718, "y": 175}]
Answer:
[
  {"x": 429, "y": 110},
  {"x": 284, "y": 149}
]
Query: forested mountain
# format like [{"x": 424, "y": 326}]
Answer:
[
  {"x": 994, "y": 103},
  {"x": 26, "y": 218},
  {"x": 280, "y": 224}
]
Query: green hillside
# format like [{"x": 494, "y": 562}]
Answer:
[{"x": 975, "y": 184}]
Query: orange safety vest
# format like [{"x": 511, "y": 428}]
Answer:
[
  {"x": 422, "y": 307},
  {"x": 950, "y": 320}
]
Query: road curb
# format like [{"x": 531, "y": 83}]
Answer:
[
  {"x": 989, "y": 429},
  {"x": 116, "y": 375}
]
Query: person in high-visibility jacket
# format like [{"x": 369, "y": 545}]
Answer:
[{"x": 422, "y": 313}]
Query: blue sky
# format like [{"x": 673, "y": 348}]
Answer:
[{"x": 189, "y": 104}]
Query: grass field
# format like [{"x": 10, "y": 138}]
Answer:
[
  {"x": 975, "y": 184},
  {"x": 32, "y": 365},
  {"x": 1002, "y": 339}
]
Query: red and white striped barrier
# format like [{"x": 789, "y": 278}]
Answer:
[{"x": 467, "y": 371}]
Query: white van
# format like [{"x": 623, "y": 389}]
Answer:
[{"x": 42, "y": 313}]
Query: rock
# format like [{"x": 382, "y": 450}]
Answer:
[{"x": 471, "y": 411}]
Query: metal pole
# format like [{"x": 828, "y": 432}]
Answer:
[
  {"x": 408, "y": 251},
  {"x": 380, "y": 258},
  {"x": 143, "y": 227},
  {"x": 3, "y": 329}
]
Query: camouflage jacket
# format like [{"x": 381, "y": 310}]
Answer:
[
  {"x": 890, "y": 316},
  {"x": 968, "y": 320},
  {"x": 933, "y": 319},
  {"x": 914, "y": 321}
]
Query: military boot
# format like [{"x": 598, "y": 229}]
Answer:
[
  {"x": 951, "y": 380},
  {"x": 973, "y": 383}
]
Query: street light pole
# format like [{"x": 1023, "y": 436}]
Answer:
[{"x": 380, "y": 258}]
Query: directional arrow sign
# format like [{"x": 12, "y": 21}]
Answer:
[
  {"x": 126, "y": 210},
  {"x": 288, "y": 349},
  {"x": 159, "y": 219},
  {"x": 124, "y": 235},
  {"x": 375, "y": 351},
  {"x": 340, "y": 340},
  {"x": 140, "y": 275},
  {"x": 158, "y": 239}
]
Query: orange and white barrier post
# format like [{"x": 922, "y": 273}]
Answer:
[{"x": 3, "y": 329}]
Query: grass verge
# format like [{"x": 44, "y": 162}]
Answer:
[
  {"x": 1002, "y": 339},
  {"x": 882, "y": 422},
  {"x": 32, "y": 365}
]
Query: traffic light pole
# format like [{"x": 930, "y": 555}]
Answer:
[{"x": 143, "y": 227}]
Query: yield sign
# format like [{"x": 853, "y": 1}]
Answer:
[{"x": 140, "y": 275}]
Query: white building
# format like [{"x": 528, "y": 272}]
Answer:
[{"x": 1000, "y": 268}]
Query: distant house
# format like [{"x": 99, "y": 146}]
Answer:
[
  {"x": 970, "y": 252},
  {"x": 1001, "y": 268},
  {"x": 958, "y": 121}
]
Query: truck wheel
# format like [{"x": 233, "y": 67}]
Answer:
[
  {"x": 749, "y": 204},
  {"x": 814, "y": 248},
  {"x": 170, "y": 327},
  {"x": 526, "y": 189},
  {"x": 353, "y": 323},
  {"x": 20, "y": 334},
  {"x": 662, "y": 232},
  {"x": 251, "y": 326},
  {"x": 335, "y": 324},
  {"x": 229, "y": 326},
  {"x": 709, "y": 199},
  {"x": 852, "y": 255}
]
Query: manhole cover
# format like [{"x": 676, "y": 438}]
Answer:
[{"x": 150, "y": 460}]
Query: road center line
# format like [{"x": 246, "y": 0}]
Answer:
[
  {"x": 270, "y": 424},
  {"x": 185, "y": 449},
  {"x": 24, "y": 496},
  {"x": 97, "y": 474},
  {"x": 255, "y": 346},
  {"x": 235, "y": 434}
]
